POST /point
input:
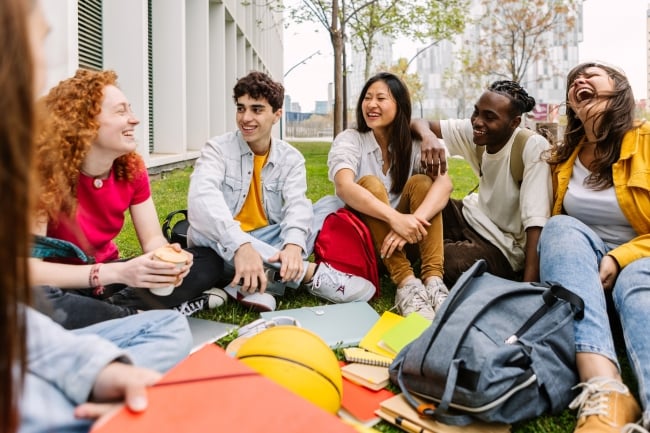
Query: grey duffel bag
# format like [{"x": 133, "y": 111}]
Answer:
[{"x": 497, "y": 351}]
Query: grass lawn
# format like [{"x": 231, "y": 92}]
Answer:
[{"x": 170, "y": 193}]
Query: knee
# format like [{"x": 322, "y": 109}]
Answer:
[
  {"x": 634, "y": 278},
  {"x": 375, "y": 186},
  {"x": 418, "y": 182},
  {"x": 175, "y": 328},
  {"x": 559, "y": 225},
  {"x": 416, "y": 188}
]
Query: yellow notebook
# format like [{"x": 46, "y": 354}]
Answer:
[
  {"x": 371, "y": 340},
  {"x": 404, "y": 332},
  {"x": 363, "y": 356}
]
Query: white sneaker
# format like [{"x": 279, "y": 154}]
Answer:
[
  {"x": 215, "y": 298},
  {"x": 257, "y": 301},
  {"x": 438, "y": 292},
  {"x": 337, "y": 286},
  {"x": 412, "y": 297}
]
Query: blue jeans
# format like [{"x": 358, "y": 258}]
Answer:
[
  {"x": 154, "y": 339},
  {"x": 570, "y": 254},
  {"x": 267, "y": 242}
]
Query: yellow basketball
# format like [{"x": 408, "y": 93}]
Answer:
[{"x": 299, "y": 360}]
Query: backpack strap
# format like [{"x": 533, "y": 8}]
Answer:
[{"x": 516, "y": 154}]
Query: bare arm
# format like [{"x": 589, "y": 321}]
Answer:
[
  {"x": 141, "y": 271},
  {"x": 434, "y": 153},
  {"x": 147, "y": 227},
  {"x": 531, "y": 267},
  {"x": 433, "y": 203}
]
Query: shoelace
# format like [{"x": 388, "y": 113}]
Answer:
[
  {"x": 633, "y": 428},
  {"x": 594, "y": 398},
  {"x": 438, "y": 293},
  {"x": 336, "y": 277},
  {"x": 417, "y": 295},
  {"x": 188, "y": 308}
]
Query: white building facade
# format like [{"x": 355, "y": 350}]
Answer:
[{"x": 177, "y": 61}]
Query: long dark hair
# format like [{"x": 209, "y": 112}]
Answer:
[
  {"x": 400, "y": 133},
  {"x": 16, "y": 123},
  {"x": 613, "y": 122}
]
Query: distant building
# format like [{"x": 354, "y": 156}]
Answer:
[
  {"x": 546, "y": 87},
  {"x": 382, "y": 54},
  {"x": 295, "y": 107},
  {"x": 177, "y": 62},
  {"x": 322, "y": 107}
]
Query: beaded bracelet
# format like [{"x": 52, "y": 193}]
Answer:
[{"x": 93, "y": 280}]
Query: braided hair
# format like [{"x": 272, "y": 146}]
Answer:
[{"x": 520, "y": 101}]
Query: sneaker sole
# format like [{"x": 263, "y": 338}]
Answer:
[{"x": 247, "y": 302}]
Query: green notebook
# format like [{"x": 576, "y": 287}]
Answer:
[
  {"x": 371, "y": 340},
  {"x": 404, "y": 332}
]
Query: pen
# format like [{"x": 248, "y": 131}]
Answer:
[{"x": 404, "y": 423}]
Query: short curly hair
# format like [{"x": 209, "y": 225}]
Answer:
[
  {"x": 259, "y": 85},
  {"x": 67, "y": 134}
]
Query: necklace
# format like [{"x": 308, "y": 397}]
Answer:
[{"x": 98, "y": 182}]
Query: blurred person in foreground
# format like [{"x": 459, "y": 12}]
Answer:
[{"x": 53, "y": 379}]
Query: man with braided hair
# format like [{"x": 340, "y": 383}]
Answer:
[{"x": 500, "y": 223}]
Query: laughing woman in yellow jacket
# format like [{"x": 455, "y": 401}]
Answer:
[{"x": 597, "y": 244}]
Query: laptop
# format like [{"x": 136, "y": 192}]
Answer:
[
  {"x": 207, "y": 331},
  {"x": 339, "y": 325}
]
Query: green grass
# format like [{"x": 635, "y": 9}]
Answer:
[{"x": 170, "y": 193}]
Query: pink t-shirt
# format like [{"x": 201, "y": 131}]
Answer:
[{"x": 100, "y": 214}]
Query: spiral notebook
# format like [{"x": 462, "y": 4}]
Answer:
[
  {"x": 363, "y": 356},
  {"x": 340, "y": 325}
]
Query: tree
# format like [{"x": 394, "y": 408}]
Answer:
[
  {"x": 515, "y": 34},
  {"x": 464, "y": 83},
  {"x": 418, "y": 21},
  {"x": 412, "y": 18},
  {"x": 412, "y": 81}
]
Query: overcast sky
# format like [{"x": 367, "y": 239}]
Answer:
[{"x": 614, "y": 32}]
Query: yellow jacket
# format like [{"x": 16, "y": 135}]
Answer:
[{"x": 631, "y": 175}]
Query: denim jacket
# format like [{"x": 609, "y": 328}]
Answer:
[
  {"x": 68, "y": 360},
  {"x": 221, "y": 181},
  {"x": 631, "y": 176}
]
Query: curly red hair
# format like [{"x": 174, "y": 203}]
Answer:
[{"x": 71, "y": 109}]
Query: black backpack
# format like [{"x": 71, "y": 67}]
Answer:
[
  {"x": 497, "y": 351},
  {"x": 176, "y": 231}
]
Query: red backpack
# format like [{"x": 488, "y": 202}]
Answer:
[{"x": 345, "y": 243}]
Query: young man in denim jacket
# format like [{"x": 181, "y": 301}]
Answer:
[{"x": 247, "y": 200}]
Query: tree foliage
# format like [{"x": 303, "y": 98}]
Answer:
[
  {"x": 411, "y": 80},
  {"x": 463, "y": 82},
  {"x": 515, "y": 34},
  {"x": 361, "y": 21},
  {"x": 429, "y": 21}
]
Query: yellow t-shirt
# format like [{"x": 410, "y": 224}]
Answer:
[{"x": 252, "y": 215}]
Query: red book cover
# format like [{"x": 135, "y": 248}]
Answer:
[
  {"x": 361, "y": 402},
  {"x": 212, "y": 392}
]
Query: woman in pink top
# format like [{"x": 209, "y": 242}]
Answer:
[{"x": 91, "y": 176}]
